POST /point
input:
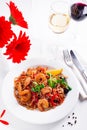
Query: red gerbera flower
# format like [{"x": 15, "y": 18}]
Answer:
[
  {"x": 16, "y": 16},
  {"x": 18, "y": 48},
  {"x": 5, "y": 31}
]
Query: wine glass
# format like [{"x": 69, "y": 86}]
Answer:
[
  {"x": 79, "y": 10},
  {"x": 59, "y": 17}
]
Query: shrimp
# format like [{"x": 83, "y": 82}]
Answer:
[
  {"x": 41, "y": 69},
  {"x": 19, "y": 88},
  {"x": 24, "y": 92},
  {"x": 31, "y": 72},
  {"x": 17, "y": 85},
  {"x": 46, "y": 90},
  {"x": 25, "y": 98},
  {"x": 43, "y": 104},
  {"x": 27, "y": 81},
  {"x": 25, "y": 95},
  {"x": 40, "y": 78},
  {"x": 60, "y": 91}
]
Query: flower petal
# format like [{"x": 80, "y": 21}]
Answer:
[
  {"x": 16, "y": 16},
  {"x": 18, "y": 48},
  {"x": 5, "y": 31}
]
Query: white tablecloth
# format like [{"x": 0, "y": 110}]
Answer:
[{"x": 45, "y": 43}]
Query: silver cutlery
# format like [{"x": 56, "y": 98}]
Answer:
[
  {"x": 78, "y": 65},
  {"x": 82, "y": 84}
]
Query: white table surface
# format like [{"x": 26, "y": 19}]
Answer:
[{"x": 45, "y": 43}]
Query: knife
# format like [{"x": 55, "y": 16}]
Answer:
[{"x": 78, "y": 65}]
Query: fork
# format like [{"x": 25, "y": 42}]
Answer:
[
  {"x": 67, "y": 58},
  {"x": 82, "y": 83}
]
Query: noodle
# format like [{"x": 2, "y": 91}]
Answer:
[{"x": 37, "y": 89}]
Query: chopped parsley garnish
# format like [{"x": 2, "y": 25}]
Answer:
[
  {"x": 52, "y": 82},
  {"x": 64, "y": 83},
  {"x": 37, "y": 87}
]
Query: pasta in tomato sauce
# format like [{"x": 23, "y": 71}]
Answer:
[{"x": 39, "y": 88}]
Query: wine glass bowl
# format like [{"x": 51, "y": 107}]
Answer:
[
  {"x": 78, "y": 10},
  {"x": 59, "y": 17}
]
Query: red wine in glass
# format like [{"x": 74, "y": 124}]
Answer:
[{"x": 78, "y": 11}]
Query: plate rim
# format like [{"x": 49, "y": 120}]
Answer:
[{"x": 37, "y": 122}]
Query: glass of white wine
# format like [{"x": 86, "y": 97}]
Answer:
[{"x": 59, "y": 17}]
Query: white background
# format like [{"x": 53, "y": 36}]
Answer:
[{"x": 46, "y": 43}]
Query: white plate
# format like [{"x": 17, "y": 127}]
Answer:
[{"x": 34, "y": 116}]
